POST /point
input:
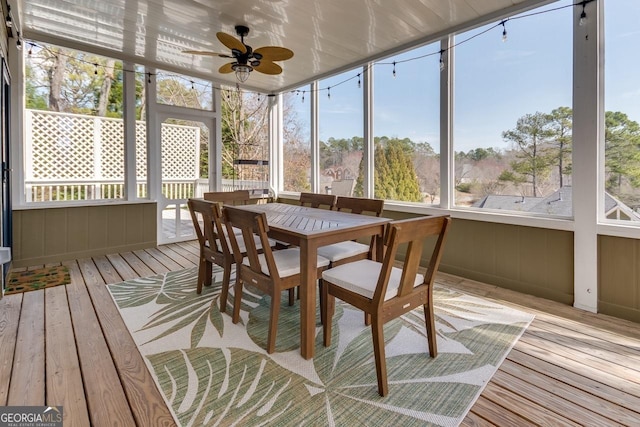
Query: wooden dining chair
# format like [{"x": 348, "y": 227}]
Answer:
[
  {"x": 270, "y": 271},
  {"x": 230, "y": 198},
  {"x": 211, "y": 246},
  {"x": 316, "y": 200},
  {"x": 214, "y": 249},
  {"x": 350, "y": 251},
  {"x": 386, "y": 292}
]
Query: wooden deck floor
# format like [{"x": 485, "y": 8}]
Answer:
[{"x": 68, "y": 346}]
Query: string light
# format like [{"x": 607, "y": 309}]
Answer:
[
  {"x": 441, "y": 52},
  {"x": 583, "y": 15},
  {"x": 95, "y": 72}
]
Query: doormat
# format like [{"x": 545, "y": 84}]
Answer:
[{"x": 39, "y": 278}]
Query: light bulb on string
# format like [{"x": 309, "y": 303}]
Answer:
[
  {"x": 583, "y": 15},
  {"x": 394, "y": 69},
  {"x": 442, "y": 60},
  {"x": 504, "y": 31},
  {"x": 359, "y": 83},
  {"x": 95, "y": 72},
  {"x": 303, "y": 97},
  {"x": 329, "y": 92}
]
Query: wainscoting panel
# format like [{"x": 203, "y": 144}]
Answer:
[{"x": 57, "y": 234}]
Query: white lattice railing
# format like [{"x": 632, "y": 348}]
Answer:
[{"x": 79, "y": 157}]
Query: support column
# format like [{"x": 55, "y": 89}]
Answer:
[{"x": 588, "y": 151}]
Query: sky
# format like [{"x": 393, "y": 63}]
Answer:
[{"x": 495, "y": 82}]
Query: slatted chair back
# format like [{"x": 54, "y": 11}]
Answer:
[
  {"x": 358, "y": 205},
  {"x": 251, "y": 223},
  {"x": 395, "y": 291},
  {"x": 316, "y": 200},
  {"x": 229, "y": 198},
  {"x": 202, "y": 215}
]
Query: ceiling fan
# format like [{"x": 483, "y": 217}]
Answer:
[{"x": 245, "y": 58}]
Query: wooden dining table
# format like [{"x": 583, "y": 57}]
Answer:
[{"x": 309, "y": 229}]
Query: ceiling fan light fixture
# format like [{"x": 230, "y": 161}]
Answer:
[{"x": 242, "y": 72}]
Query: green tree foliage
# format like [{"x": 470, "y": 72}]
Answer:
[
  {"x": 622, "y": 147},
  {"x": 394, "y": 174},
  {"x": 560, "y": 124},
  {"x": 529, "y": 138},
  {"x": 73, "y": 82}
]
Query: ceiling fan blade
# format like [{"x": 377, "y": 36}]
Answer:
[
  {"x": 274, "y": 53},
  {"x": 207, "y": 53},
  {"x": 267, "y": 67},
  {"x": 226, "y": 68},
  {"x": 231, "y": 42}
]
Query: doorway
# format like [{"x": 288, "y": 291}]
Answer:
[
  {"x": 5, "y": 218},
  {"x": 184, "y": 149}
]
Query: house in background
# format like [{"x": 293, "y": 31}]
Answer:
[{"x": 559, "y": 203}]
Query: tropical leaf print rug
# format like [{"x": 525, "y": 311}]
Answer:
[{"x": 212, "y": 372}]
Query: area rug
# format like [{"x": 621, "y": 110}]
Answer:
[
  {"x": 39, "y": 278},
  {"x": 212, "y": 372}
]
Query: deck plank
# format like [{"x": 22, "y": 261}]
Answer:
[
  {"x": 192, "y": 246},
  {"x": 532, "y": 411},
  {"x": 64, "y": 378},
  {"x": 576, "y": 376},
  {"x": 156, "y": 266},
  {"x": 165, "y": 260},
  {"x": 496, "y": 414},
  {"x": 178, "y": 256},
  {"x": 193, "y": 258},
  {"x": 107, "y": 270},
  {"x": 122, "y": 267},
  {"x": 580, "y": 415},
  {"x": 564, "y": 348},
  {"x": 146, "y": 402},
  {"x": 570, "y": 398},
  {"x": 541, "y": 350},
  {"x": 104, "y": 393},
  {"x": 10, "y": 307},
  {"x": 28, "y": 377},
  {"x": 137, "y": 264}
]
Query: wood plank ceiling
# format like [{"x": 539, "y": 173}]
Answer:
[{"x": 326, "y": 36}]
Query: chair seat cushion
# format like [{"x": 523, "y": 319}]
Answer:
[
  {"x": 361, "y": 277},
  {"x": 287, "y": 262},
  {"x": 342, "y": 250}
]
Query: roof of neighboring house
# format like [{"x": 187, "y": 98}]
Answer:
[
  {"x": 558, "y": 203},
  {"x": 511, "y": 203}
]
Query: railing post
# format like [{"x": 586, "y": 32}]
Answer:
[{"x": 97, "y": 158}]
